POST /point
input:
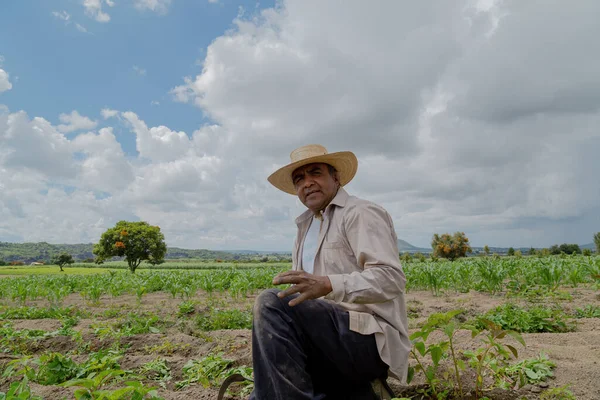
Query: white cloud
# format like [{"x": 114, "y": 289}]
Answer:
[
  {"x": 81, "y": 28},
  {"x": 34, "y": 145},
  {"x": 155, "y": 103},
  {"x": 4, "y": 81},
  {"x": 158, "y": 6},
  {"x": 65, "y": 16},
  {"x": 93, "y": 9},
  {"x": 157, "y": 143},
  {"x": 139, "y": 71},
  {"x": 105, "y": 167},
  {"x": 75, "y": 122},
  {"x": 108, "y": 113}
]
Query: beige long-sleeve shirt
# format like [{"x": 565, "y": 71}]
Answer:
[{"x": 358, "y": 250}]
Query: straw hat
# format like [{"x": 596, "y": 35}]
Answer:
[{"x": 344, "y": 162}]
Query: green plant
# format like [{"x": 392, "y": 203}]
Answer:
[
  {"x": 532, "y": 370},
  {"x": 493, "y": 357},
  {"x": 156, "y": 370},
  {"x": 211, "y": 371},
  {"x": 166, "y": 348},
  {"x": 536, "y": 319},
  {"x": 589, "y": 311},
  {"x": 90, "y": 387},
  {"x": 55, "y": 368},
  {"x": 186, "y": 308},
  {"x": 19, "y": 391},
  {"x": 435, "y": 351},
  {"x": 206, "y": 371},
  {"x": 558, "y": 393},
  {"x": 100, "y": 361},
  {"x": 491, "y": 275},
  {"x": 224, "y": 319}
]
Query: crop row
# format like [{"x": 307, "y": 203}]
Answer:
[
  {"x": 177, "y": 283},
  {"x": 494, "y": 275},
  {"x": 489, "y": 275}
]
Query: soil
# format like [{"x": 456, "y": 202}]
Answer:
[{"x": 577, "y": 354}]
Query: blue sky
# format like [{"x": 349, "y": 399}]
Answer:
[
  {"x": 477, "y": 116},
  {"x": 126, "y": 63}
]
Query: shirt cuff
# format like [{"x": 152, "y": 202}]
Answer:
[{"x": 338, "y": 290}]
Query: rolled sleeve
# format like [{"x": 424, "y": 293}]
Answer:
[{"x": 339, "y": 291}]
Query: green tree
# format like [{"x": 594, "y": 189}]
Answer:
[
  {"x": 531, "y": 252},
  {"x": 486, "y": 250},
  {"x": 62, "y": 259},
  {"x": 587, "y": 252},
  {"x": 136, "y": 241},
  {"x": 406, "y": 257},
  {"x": 420, "y": 256},
  {"x": 597, "y": 242},
  {"x": 518, "y": 254},
  {"x": 450, "y": 246},
  {"x": 511, "y": 251}
]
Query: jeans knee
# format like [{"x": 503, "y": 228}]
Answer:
[{"x": 267, "y": 299}]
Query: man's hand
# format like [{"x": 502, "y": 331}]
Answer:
[{"x": 309, "y": 286}]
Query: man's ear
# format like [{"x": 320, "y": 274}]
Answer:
[{"x": 336, "y": 177}]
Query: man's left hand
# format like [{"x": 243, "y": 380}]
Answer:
[{"x": 309, "y": 286}]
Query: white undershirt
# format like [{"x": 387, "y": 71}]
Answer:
[{"x": 309, "y": 250}]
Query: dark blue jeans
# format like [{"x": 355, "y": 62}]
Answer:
[{"x": 309, "y": 352}]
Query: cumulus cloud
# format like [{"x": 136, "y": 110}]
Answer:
[
  {"x": 108, "y": 113},
  {"x": 75, "y": 122},
  {"x": 34, "y": 145},
  {"x": 4, "y": 81},
  {"x": 157, "y": 6},
  {"x": 104, "y": 167},
  {"x": 157, "y": 143},
  {"x": 93, "y": 9}
]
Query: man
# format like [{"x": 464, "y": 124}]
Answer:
[{"x": 341, "y": 327}]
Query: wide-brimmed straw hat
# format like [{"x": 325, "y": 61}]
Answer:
[{"x": 344, "y": 162}]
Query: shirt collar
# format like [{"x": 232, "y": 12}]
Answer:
[{"x": 339, "y": 200}]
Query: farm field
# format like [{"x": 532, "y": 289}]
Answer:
[{"x": 183, "y": 330}]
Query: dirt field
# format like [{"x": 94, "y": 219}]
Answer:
[{"x": 577, "y": 354}]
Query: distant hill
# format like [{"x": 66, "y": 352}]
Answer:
[
  {"x": 590, "y": 246},
  {"x": 42, "y": 251},
  {"x": 404, "y": 246}
]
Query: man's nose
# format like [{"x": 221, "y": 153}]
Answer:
[{"x": 308, "y": 181}]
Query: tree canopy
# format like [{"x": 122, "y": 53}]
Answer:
[
  {"x": 597, "y": 242},
  {"x": 136, "y": 241},
  {"x": 451, "y": 246},
  {"x": 62, "y": 259},
  {"x": 565, "y": 248}
]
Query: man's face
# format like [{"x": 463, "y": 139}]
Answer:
[{"x": 315, "y": 186}]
